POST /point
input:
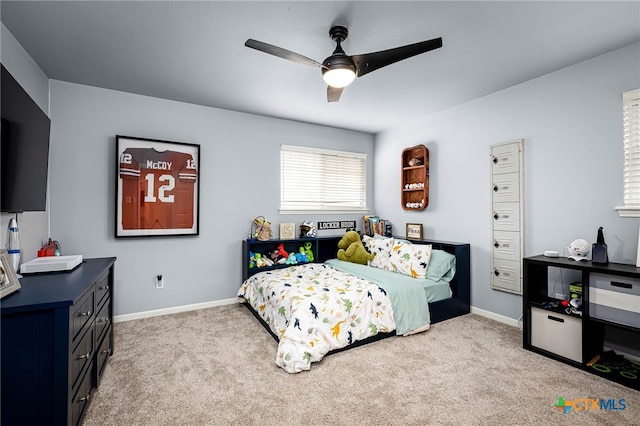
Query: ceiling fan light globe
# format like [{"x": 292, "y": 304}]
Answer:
[{"x": 339, "y": 77}]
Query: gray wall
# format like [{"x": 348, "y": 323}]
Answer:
[
  {"x": 33, "y": 226},
  {"x": 239, "y": 172},
  {"x": 571, "y": 121}
]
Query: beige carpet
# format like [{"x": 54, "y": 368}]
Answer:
[{"x": 216, "y": 367}]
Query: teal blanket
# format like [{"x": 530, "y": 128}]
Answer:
[{"x": 407, "y": 294}]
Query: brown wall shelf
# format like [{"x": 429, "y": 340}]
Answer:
[{"x": 415, "y": 178}]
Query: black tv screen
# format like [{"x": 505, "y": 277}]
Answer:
[{"x": 24, "y": 158}]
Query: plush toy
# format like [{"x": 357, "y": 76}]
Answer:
[
  {"x": 259, "y": 260},
  {"x": 263, "y": 229},
  {"x": 291, "y": 260},
  {"x": 351, "y": 249},
  {"x": 301, "y": 257},
  {"x": 277, "y": 257},
  {"x": 282, "y": 251},
  {"x": 307, "y": 250},
  {"x": 252, "y": 260}
]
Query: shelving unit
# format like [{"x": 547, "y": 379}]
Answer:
[
  {"x": 609, "y": 319},
  {"x": 323, "y": 248},
  {"x": 415, "y": 178}
]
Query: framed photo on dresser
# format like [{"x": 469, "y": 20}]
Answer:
[
  {"x": 157, "y": 187},
  {"x": 8, "y": 279}
]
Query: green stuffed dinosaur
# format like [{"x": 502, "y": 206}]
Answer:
[{"x": 351, "y": 249}]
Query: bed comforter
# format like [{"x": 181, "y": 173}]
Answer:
[{"x": 314, "y": 308}]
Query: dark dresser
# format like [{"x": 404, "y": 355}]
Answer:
[{"x": 56, "y": 337}]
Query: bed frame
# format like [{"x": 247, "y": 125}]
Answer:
[{"x": 459, "y": 303}]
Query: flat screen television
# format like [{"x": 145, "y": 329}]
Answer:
[{"x": 24, "y": 156}]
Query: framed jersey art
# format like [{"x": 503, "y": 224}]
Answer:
[{"x": 157, "y": 189}]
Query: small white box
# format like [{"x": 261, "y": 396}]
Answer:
[
  {"x": 557, "y": 333},
  {"x": 51, "y": 264}
]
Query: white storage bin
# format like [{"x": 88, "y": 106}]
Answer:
[
  {"x": 557, "y": 333},
  {"x": 615, "y": 298}
]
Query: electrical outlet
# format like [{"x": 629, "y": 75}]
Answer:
[
  {"x": 561, "y": 296},
  {"x": 159, "y": 281}
]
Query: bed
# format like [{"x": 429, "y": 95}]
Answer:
[{"x": 316, "y": 309}]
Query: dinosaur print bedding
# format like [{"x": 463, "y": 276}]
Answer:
[{"x": 314, "y": 308}]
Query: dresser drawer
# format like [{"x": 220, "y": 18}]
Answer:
[
  {"x": 102, "y": 288},
  {"x": 82, "y": 355},
  {"x": 557, "y": 333},
  {"x": 104, "y": 352},
  {"x": 103, "y": 318},
  {"x": 614, "y": 298},
  {"x": 80, "y": 399},
  {"x": 82, "y": 313}
]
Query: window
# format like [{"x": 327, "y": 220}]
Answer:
[
  {"x": 631, "y": 112},
  {"x": 322, "y": 180}
]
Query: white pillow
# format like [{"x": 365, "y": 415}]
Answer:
[
  {"x": 381, "y": 247},
  {"x": 409, "y": 259}
]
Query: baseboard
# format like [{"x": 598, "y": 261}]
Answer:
[
  {"x": 173, "y": 310},
  {"x": 196, "y": 306},
  {"x": 496, "y": 317}
]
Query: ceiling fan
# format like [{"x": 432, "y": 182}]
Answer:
[{"x": 339, "y": 69}]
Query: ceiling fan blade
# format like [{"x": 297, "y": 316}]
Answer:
[
  {"x": 369, "y": 62},
  {"x": 333, "y": 93},
  {"x": 281, "y": 53}
]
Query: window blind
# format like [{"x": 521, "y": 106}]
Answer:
[
  {"x": 322, "y": 180},
  {"x": 631, "y": 108}
]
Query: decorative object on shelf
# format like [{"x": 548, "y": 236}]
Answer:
[
  {"x": 157, "y": 188},
  {"x": 262, "y": 230},
  {"x": 287, "y": 231},
  {"x": 415, "y": 178},
  {"x": 308, "y": 229},
  {"x": 372, "y": 225},
  {"x": 414, "y": 231},
  {"x": 351, "y": 249},
  {"x": 8, "y": 279},
  {"x": 338, "y": 224},
  {"x": 307, "y": 251},
  {"x": 578, "y": 250},
  {"x": 13, "y": 244},
  {"x": 599, "y": 249}
]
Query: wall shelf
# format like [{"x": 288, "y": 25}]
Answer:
[{"x": 415, "y": 178}]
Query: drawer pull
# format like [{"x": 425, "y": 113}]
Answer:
[
  {"x": 495, "y": 188},
  {"x": 551, "y": 317},
  {"x": 85, "y": 314},
  {"x": 84, "y": 398},
  {"x": 495, "y": 216},
  {"x": 106, "y": 287},
  {"x": 106, "y": 351},
  {"x": 496, "y": 244},
  {"x": 101, "y": 320},
  {"x": 622, "y": 285},
  {"x": 85, "y": 356},
  {"x": 496, "y": 272}
]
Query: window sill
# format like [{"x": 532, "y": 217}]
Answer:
[
  {"x": 625, "y": 211},
  {"x": 287, "y": 211}
]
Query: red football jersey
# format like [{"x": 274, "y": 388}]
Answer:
[{"x": 157, "y": 189}]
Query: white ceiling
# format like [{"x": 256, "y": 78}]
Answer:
[{"x": 194, "y": 51}]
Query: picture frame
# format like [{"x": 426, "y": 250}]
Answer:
[
  {"x": 9, "y": 282},
  {"x": 157, "y": 188},
  {"x": 287, "y": 231},
  {"x": 414, "y": 231}
]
